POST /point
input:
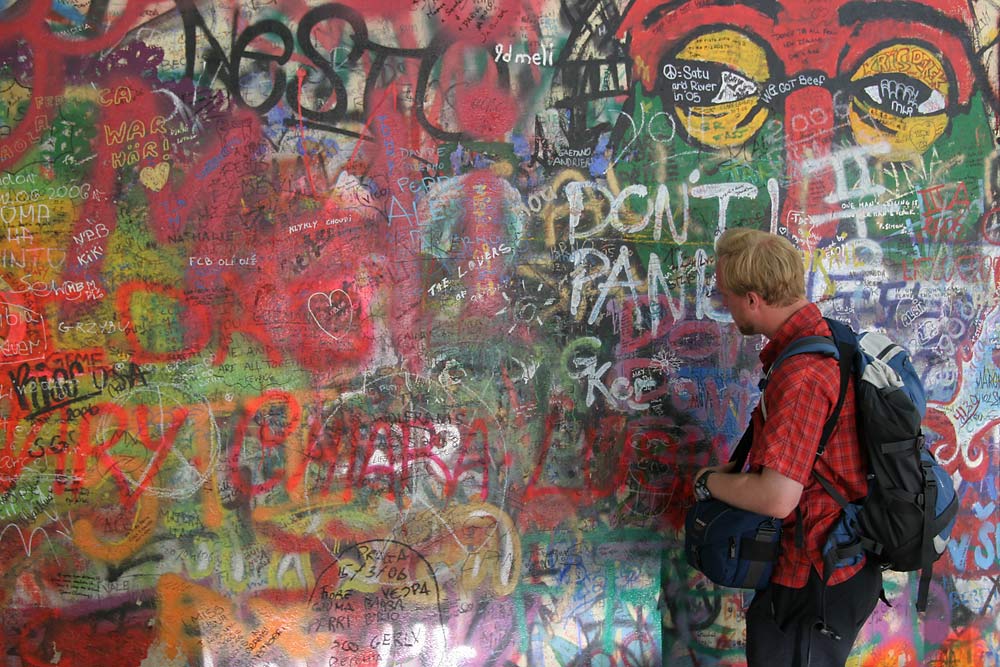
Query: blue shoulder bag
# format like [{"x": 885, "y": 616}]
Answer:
[{"x": 732, "y": 547}]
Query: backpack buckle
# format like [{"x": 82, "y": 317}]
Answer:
[
  {"x": 828, "y": 631},
  {"x": 766, "y": 529}
]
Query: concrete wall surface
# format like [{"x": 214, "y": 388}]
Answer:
[{"x": 381, "y": 333}]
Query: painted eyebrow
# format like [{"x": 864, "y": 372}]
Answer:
[
  {"x": 903, "y": 10},
  {"x": 769, "y": 8}
]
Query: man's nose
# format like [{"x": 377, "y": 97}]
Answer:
[{"x": 809, "y": 130}]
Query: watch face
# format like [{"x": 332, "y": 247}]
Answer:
[{"x": 701, "y": 491}]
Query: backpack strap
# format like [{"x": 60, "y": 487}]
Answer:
[
  {"x": 845, "y": 356},
  {"x": 805, "y": 345},
  {"x": 742, "y": 450},
  {"x": 928, "y": 555},
  {"x": 847, "y": 352}
]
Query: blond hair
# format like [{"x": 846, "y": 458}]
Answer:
[{"x": 763, "y": 263}]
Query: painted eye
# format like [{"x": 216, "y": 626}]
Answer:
[
  {"x": 899, "y": 100},
  {"x": 713, "y": 85}
]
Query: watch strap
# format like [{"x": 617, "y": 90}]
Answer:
[{"x": 701, "y": 491}]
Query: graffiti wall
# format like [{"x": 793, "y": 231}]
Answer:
[{"x": 381, "y": 332}]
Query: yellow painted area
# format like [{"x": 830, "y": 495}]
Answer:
[
  {"x": 484, "y": 543},
  {"x": 730, "y": 123},
  {"x": 724, "y": 125},
  {"x": 909, "y": 59},
  {"x": 731, "y": 48},
  {"x": 906, "y": 137}
]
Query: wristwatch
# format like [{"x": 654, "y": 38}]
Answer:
[{"x": 701, "y": 491}]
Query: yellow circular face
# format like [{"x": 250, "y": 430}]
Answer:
[
  {"x": 899, "y": 100},
  {"x": 714, "y": 84}
]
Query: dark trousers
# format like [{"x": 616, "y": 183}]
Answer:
[{"x": 783, "y": 624}]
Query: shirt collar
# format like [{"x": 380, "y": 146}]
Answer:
[{"x": 803, "y": 322}]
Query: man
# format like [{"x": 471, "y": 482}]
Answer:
[{"x": 760, "y": 278}]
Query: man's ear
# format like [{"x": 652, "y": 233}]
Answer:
[{"x": 754, "y": 300}]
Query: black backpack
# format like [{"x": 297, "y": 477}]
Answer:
[{"x": 905, "y": 520}]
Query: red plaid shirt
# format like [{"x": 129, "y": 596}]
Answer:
[{"x": 800, "y": 396}]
